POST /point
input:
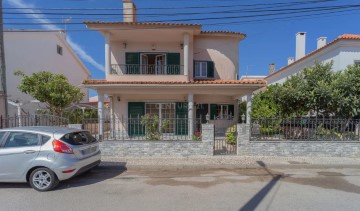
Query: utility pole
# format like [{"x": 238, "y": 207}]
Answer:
[{"x": 3, "y": 93}]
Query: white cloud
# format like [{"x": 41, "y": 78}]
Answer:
[{"x": 40, "y": 18}]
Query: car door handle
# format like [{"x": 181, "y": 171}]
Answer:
[{"x": 29, "y": 151}]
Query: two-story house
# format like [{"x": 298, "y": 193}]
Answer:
[
  {"x": 170, "y": 70},
  {"x": 53, "y": 53},
  {"x": 343, "y": 51}
]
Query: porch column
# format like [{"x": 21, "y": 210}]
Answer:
[
  {"x": 248, "y": 108},
  {"x": 107, "y": 53},
  {"x": 191, "y": 113},
  {"x": 186, "y": 53},
  {"x": 236, "y": 110},
  {"x": 101, "y": 115},
  {"x": 112, "y": 118}
]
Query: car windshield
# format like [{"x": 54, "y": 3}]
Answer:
[{"x": 78, "y": 138}]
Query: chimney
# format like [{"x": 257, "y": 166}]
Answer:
[
  {"x": 129, "y": 11},
  {"x": 271, "y": 68},
  {"x": 321, "y": 42},
  {"x": 300, "y": 45},
  {"x": 291, "y": 60}
]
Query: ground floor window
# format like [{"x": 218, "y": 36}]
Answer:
[{"x": 165, "y": 111}]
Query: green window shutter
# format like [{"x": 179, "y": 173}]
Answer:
[
  {"x": 231, "y": 110},
  {"x": 173, "y": 63},
  {"x": 210, "y": 69},
  {"x": 181, "y": 123},
  {"x": 213, "y": 111},
  {"x": 194, "y": 68},
  {"x": 135, "y": 111},
  {"x": 132, "y": 63}
]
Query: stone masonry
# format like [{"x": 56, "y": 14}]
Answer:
[
  {"x": 294, "y": 148},
  {"x": 162, "y": 148}
]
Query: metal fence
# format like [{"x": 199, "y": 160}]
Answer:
[
  {"x": 32, "y": 120},
  {"x": 305, "y": 129},
  {"x": 140, "y": 129},
  {"x": 136, "y": 69}
]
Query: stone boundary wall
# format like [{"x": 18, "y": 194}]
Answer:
[
  {"x": 162, "y": 148},
  {"x": 294, "y": 148}
]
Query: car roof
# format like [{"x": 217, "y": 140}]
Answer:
[{"x": 43, "y": 129}]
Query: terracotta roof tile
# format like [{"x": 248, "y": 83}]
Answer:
[
  {"x": 342, "y": 37},
  {"x": 223, "y": 32},
  {"x": 97, "y": 82}
]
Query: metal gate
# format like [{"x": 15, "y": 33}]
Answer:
[{"x": 225, "y": 137}]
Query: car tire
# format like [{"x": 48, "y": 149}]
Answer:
[{"x": 43, "y": 179}]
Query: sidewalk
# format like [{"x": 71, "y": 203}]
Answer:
[{"x": 215, "y": 162}]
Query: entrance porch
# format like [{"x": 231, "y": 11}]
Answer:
[{"x": 171, "y": 110}]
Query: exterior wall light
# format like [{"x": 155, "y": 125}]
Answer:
[
  {"x": 125, "y": 45},
  {"x": 242, "y": 118}
]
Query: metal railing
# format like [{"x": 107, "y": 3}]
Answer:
[
  {"x": 139, "y": 129},
  {"x": 136, "y": 69},
  {"x": 305, "y": 129},
  {"x": 32, "y": 120}
]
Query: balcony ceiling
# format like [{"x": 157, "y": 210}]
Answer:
[{"x": 148, "y": 35}]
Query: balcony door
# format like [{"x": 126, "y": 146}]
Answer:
[{"x": 153, "y": 63}]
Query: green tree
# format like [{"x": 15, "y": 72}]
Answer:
[
  {"x": 346, "y": 92},
  {"x": 52, "y": 89},
  {"x": 318, "y": 89},
  {"x": 263, "y": 104}
]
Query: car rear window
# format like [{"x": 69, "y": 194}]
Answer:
[{"x": 78, "y": 138}]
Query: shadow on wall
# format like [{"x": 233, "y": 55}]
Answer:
[{"x": 224, "y": 57}]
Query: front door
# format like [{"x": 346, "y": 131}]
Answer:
[{"x": 18, "y": 151}]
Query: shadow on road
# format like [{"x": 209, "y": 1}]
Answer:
[
  {"x": 259, "y": 196},
  {"x": 106, "y": 170}
]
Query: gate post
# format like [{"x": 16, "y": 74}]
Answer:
[
  {"x": 208, "y": 136},
  {"x": 243, "y": 137}
]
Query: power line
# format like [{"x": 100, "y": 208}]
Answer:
[
  {"x": 189, "y": 13},
  {"x": 258, "y": 10},
  {"x": 276, "y": 13},
  {"x": 287, "y": 18},
  {"x": 186, "y": 7}
]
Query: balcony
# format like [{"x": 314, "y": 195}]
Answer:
[{"x": 136, "y": 69}]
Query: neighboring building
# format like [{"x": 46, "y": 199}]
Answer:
[
  {"x": 171, "y": 70},
  {"x": 343, "y": 51},
  {"x": 34, "y": 51}
]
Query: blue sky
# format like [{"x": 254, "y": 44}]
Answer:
[{"x": 267, "y": 42}]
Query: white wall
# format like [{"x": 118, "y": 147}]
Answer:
[
  {"x": 34, "y": 52},
  {"x": 342, "y": 53}
]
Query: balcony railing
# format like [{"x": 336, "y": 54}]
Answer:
[{"x": 135, "y": 69}]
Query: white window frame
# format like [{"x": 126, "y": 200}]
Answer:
[{"x": 201, "y": 64}]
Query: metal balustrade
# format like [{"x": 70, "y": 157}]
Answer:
[{"x": 135, "y": 69}]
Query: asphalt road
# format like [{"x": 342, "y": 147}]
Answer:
[{"x": 114, "y": 188}]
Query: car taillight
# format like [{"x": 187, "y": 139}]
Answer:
[{"x": 61, "y": 147}]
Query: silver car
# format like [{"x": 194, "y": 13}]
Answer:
[{"x": 43, "y": 156}]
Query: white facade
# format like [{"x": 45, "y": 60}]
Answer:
[
  {"x": 343, "y": 52},
  {"x": 31, "y": 52}
]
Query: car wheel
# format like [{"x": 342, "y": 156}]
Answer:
[{"x": 43, "y": 179}]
